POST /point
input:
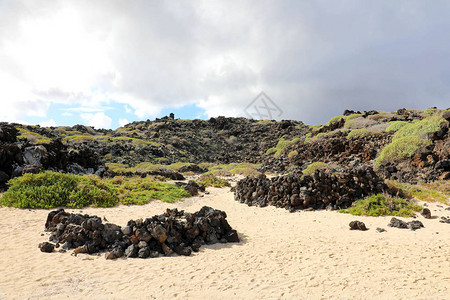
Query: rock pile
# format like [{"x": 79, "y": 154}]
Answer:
[
  {"x": 320, "y": 190},
  {"x": 173, "y": 231}
]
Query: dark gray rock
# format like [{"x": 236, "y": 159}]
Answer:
[
  {"x": 46, "y": 247},
  {"x": 357, "y": 225},
  {"x": 426, "y": 213}
]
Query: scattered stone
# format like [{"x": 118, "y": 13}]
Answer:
[
  {"x": 46, "y": 247},
  {"x": 379, "y": 229},
  {"x": 445, "y": 220},
  {"x": 397, "y": 223},
  {"x": 357, "y": 225},
  {"x": 426, "y": 213},
  {"x": 413, "y": 225}
]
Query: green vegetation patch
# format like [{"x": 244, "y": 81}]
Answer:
[
  {"x": 212, "y": 180},
  {"x": 381, "y": 205},
  {"x": 137, "y": 190},
  {"x": 292, "y": 154},
  {"x": 33, "y": 137},
  {"x": 360, "y": 133},
  {"x": 420, "y": 128},
  {"x": 437, "y": 191},
  {"x": 313, "y": 167},
  {"x": 396, "y": 125},
  {"x": 281, "y": 146},
  {"x": 401, "y": 149},
  {"x": 350, "y": 122},
  {"x": 245, "y": 169},
  {"x": 54, "y": 189},
  {"x": 336, "y": 119}
]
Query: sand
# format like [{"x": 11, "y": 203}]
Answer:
[{"x": 282, "y": 255}]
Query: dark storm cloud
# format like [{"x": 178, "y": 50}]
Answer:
[{"x": 313, "y": 58}]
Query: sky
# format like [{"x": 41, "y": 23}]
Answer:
[{"x": 106, "y": 63}]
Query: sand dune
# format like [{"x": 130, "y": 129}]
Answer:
[{"x": 302, "y": 255}]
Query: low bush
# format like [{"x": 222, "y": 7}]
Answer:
[
  {"x": 292, "y": 154},
  {"x": 396, "y": 125},
  {"x": 281, "y": 146},
  {"x": 336, "y": 119},
  {"x": 360, "y": 133},
  {"x": 400, "y": 149},
  {"x": 355, "y": 121},
  {"x": 421, "y": 128},
  {"x": 382, "y": 205},
  {"x": 313, "y": 167},
  {"x": 54, "y": 189}
]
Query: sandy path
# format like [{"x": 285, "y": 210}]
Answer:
[{"x": 302, "y": 255}]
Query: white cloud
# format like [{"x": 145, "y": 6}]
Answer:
[
  {"x": 128, "y": 110},
  {"x": 97, "y": 120},
  {"x": 49, "y": 123},
  {"x": 123, "y": 122}
]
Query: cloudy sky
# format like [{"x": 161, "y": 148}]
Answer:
[{"x": 106, "y": 63}]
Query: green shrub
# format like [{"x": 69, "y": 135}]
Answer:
[
  {"x": 420, "y": 128},
  {"x": 281, "y": 146},
  {"x": 396, "y": 125},
  {"x": 360, "y": 133},
  {"x": 212, "y": 180},
  {"x": 308, "y": 137},
  {"x": 271, "y": 151},
  {"x": 430, "y": 111},
  {"x": 336, "y": 119},
  {"x": 313, "y": 167},
  {"x": 381, "y": 205},
  {"x": 401, "y": 149},
  {"x": 316, "y": 127},
  {"x": 292, "y": 154},
  {"x": 348, "y": 121},
  {"x": 54, "y": 189}
]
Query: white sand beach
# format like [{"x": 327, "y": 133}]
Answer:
[{"x": 282, "y": 255}]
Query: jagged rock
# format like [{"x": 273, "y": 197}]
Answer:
[
  {"x": 46, "y": 247},
  {"x": 397, "y": 223},
  {"x": 415, "y": 224},
  {"x": 357, "y": 225},
  {"x": 379, "y": 229},
  {"x": 132, "y": 251}
]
